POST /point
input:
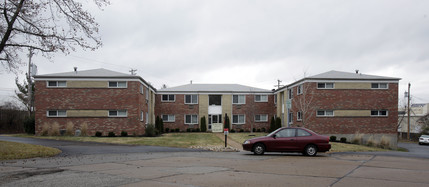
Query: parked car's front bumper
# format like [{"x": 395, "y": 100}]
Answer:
[{"x": 247, "y": 147}]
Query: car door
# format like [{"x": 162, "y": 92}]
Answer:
[
  {"x": 284, "y": 140},
  {"x": 303, "y": 138}
]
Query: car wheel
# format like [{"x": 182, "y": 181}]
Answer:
[
  {"x": 420, "y": 143},
  {"x": 310, "y": 150},
  {"x": 259, "y": 149}
]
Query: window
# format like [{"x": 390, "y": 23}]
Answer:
[
  {"x": 168, "y": 118},
  {"x": 290, "y": 118},
  {"x": 379, "y": 112},
  {"x": 261, "y": 98},
  {"x": 117, "y": 113},
  {"x": 299, "y": 116},
  {"x": 142, "y": 89},
  {"x": 329, "y": 85},
  {"x": 289, "y": 93},
  {"x": 301, "y": 132},
  {"x": 238, "y": 119},
  {"x": 379, "y": 85},
  {"x": 299, "y": 90},
  {"x": 57, "y": 113},
  {"x": 275, "y": 99},
  {"x": 191, "y": 99},
  {"x": 147, "y": 94},
  {"x": 147, "y": 117},
  {"x": 141, "y": 116},
  {"x": 286, "y": 133},
  {"x": 261, "y": 118},
  {"x": 168, "y": 98},
  {"x": 117, "y": 84},
  {"x": 239, "y": 99},
  {"x": 191, "y": 119},
  {"x": 325, "y": 113},
  {"x": 57, "y": 84}
]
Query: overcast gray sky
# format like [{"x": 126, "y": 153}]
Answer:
[{"x": 255, "y": 42}]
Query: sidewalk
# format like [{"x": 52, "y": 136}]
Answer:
[{"x": 230, "y": 141}]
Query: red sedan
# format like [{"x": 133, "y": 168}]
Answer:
[{"x": 289, "y": 139}]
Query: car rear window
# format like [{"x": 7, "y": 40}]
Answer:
[{"x": 303, "y": 133}]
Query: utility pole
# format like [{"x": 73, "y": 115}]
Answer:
[
  {"x": 278, "y": 84},
  {"x": 30, "y": 82},
  {"x": 133, "y": 71},
  {"x": 408, "y": 133}
]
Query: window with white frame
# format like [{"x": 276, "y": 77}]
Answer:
[
  {"x": 289, "y": 93},
  {"x": 379, "y": 85},
  {"x": 299, "y": 89},
  {"x": 147, "y": 94},
  {"x": 239, "y": 99},
  {"x": 117, "y": 113},
  {"x": 141, "y": 116},
  {"x": 56, "y": 113},
  {"x": 57, "y": 84},
  {"x": 379, "y": 113},
  {"x": 191, "y": 119},
  {"x": 117, "y": 84},
  {"x": 275, "y": 99},
  {"x": 325, "y": 113},
  {"x": 168, "y": 98},
  {"x": 238, "y": 119},
  {"x": 147, "y": 117},
  {"x": 290, "y": 118},
  {"x": 261, "y": 98},
  {"x": 261, "y": 118},
  {"x": 325, "y": 85},
  {"x": 142, "y": 89},
  {"x": 191, "y": 99},
  {"x": 168, "y": 118},
  {"x": 299, "y": 116}
]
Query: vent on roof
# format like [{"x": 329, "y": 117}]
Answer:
[{"x": 75, "y": 69}]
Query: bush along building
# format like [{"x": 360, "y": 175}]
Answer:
[
  {"x": 358, "y": 107},
  {"x": 94, "y": 100},
  {"x": 333, "y": 103}
]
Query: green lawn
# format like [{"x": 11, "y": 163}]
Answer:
[
  {"x": 183, "y": 140},
  {"x": 186, "y": 140},
  {"x": 13, "y": 150},
  {"x": 241, "y": 137}
]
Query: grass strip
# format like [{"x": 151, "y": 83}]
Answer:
[{"x": 13, "y": 150}]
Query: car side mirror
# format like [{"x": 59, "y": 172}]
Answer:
[{"x": 274, "y": 136}]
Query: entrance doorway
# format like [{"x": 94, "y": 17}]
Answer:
[{"x": 213, "y": 119}]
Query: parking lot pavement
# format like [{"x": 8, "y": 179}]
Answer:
[{"x": 215, "y": 169}]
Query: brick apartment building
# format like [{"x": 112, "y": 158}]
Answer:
[
  {"x": 105, "y": 100},
  {"x": 332, "y": 103},
  {"x": 183, "y": 106},
  {"x": 342, "y": 104}
]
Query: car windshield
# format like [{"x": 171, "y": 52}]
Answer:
[
  {"x": 424, "y": 136},
  {"x": 272, "y": 133}
]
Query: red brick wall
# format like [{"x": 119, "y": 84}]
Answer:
[
  {"x": 179, "y": 109},
  {"x": 349, "y": 99},
  {"x": 92, "y": 98},
  {"x": 252, "y": 108}
]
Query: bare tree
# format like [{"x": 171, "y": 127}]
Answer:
[
  {"x": 304, "y": 102},
  {"x": 47, "y": 26}
]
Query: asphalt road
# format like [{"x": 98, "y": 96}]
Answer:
[
  {"x": 98, "y": 164},
  {"x": 73, "y": 148}
]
